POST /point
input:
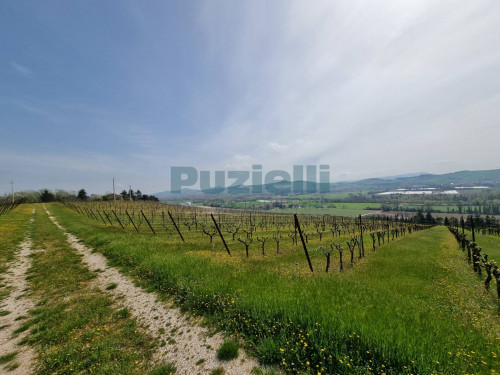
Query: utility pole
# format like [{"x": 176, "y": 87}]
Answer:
[
  {"x": 130, "y": 193},
  {"x": 114, "y": 196},
  {"x": 12, "y": 189}
]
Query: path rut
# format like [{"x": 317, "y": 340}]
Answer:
[
  {"x": 18, "y": 304},
  {"x": 187, "y": 343}
]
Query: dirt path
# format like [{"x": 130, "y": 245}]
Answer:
[
  {"x": 188, "y": 345},
  {"x": 18, "y": 305},
  {"x": 372, "y": 214}
]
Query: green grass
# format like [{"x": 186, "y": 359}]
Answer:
[
  {"x": 413, "y": 306},
  {"x": 74, "y": 327},
  {"x": 325, "y": 211},
  {"x": 259, "y": 371},
  {"x": 7, "y": 357},
  {"x": 12, "y": 366},
  {"x": 200, "y": 362},
  {"x": 167, "y": 369},
  {"x": 13, "y": 229},
  {"x": 355, "y": 205},
  {"x": 111, "y": 286},
  {"x": 228, "y": 351},
  {"x": 490, "y": 245},
  {"x": 218, "y": 371}
]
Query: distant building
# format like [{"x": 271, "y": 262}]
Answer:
[{"x": 109, "y": 197}]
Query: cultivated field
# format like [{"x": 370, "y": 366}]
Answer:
[{"x": 397, "y": 298}]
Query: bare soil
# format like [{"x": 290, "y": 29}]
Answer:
[{"x": 18, "y": 304}]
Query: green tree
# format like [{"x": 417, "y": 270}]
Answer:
[
  {"x": 82, "y": 195},
  {"x": 419, "y": 217},
  {"x": 429, "y": 219},
  {"x": 46, "y": 196},
  {"x": 138, "y": 195}
]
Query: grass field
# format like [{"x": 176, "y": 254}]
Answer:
[
  {"x": 439, "y": 208},
  {"x": 74, "y": 327},
  {"x": 412, "y": 306},
  {"x": 326, "y": 211},
  {"x": 14, "y": 227},
  {"x": 489, "y": 244}
]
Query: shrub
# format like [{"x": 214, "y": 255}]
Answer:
[{"x": 228, "y": 350}]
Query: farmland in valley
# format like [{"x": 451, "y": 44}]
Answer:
[{"x": 398, "y": 297}]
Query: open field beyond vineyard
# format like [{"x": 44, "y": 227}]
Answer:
[{"x": 406, "y": 301}]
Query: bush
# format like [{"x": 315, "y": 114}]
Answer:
[
  {"x": 228, "y": 350},
  {"x": 164, "y": 370}
]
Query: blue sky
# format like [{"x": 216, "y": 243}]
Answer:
[{"x": 91, "y": 90}]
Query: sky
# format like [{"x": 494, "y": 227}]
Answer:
[{"x": 91, "y": 90}]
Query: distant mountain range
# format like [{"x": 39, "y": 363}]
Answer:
[
  {"x": 403, "y": 176},
  {"x": 490, "y": 178}
]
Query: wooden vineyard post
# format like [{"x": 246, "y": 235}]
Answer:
[
  {"x": 119, "y": 222},
  {"x": 297, "y": 225},
  {"x": 147, "y": 221},
  {"x": 132, "y": 221},
  {"x": 87, "y": 212},
  {"x": 472, "y": 229},
  {"x": 362, "y": 242},
  {"x": 220, "y": 234},
  {"x": 101, "y": 217},
  {"x": 175, "y": 225},
  {"x": 107, "y": 217},
  {"x": 93, "y": 215}
]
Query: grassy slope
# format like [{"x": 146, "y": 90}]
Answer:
[
  {"x": 414, "y": 306},
  {"x": 74, "y": 327},
  {"x": 489, "y": 244}
]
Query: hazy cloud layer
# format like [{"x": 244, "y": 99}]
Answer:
[{"x": 371, "y": 88}]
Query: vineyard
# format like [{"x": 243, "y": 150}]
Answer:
[
  {"x": 475, "y": 254},
  {"x": 312, "y": 294},
  {"x": 258, "y": 233}
]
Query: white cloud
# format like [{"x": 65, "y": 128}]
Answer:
[
  {"x": 369, "y": 87},
  {"x": 361, "y": 85}
]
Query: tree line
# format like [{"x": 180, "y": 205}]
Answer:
[{"x": 59, "y": 195}]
